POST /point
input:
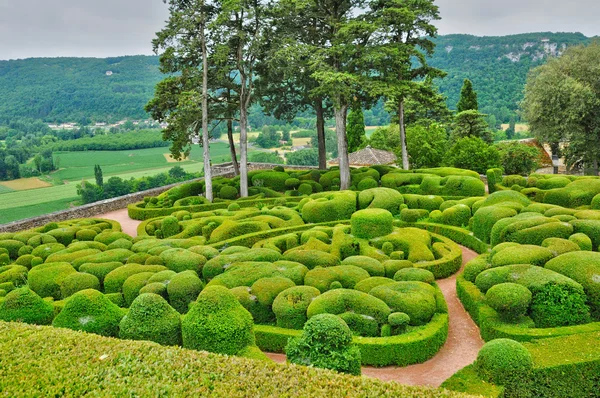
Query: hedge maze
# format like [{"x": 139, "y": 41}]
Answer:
[{"x": 336, "y": 279}]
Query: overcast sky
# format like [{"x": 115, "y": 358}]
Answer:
[{"x": 92, "y": 28}]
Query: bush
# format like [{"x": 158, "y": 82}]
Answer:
[
  {"x": 228, "y": 192},
  {"x": 557, "y": 305},
  {"x": 413, "y": 215},
  {"x": 347, "y": 275},
  {"x": 90, "y": 311},
  {"x": 369, "y": 264},
  {"x": 523, "y": 254},
  {"x": 24, "y": 305},
  {"x": 338, "y": 301},
  {"x": 530, "y": 276},
  {"x": 305, "y": 189},
  {"x": 518, "y": 158},
  {"x": 133, "y": 285},
  {"x": 78, "y": 281},
  {"x": 170, "y": 226},
  {"x": 183, "y": 289},
  {"x": 367, "y": 183},
  {"x": 417, "y": 299},
  {"x": 312, "y": 258},
  {"x": 398, "y": 321},
  {"x": 179, "y": 260},
  {"x": 271, "y": 179},
  {"x": 45, "y": 279},
  {"x": 414, "y": 274},
  {"x": 325, "y": 343},
  {"x": 361, "y": 325},
  {"x": 150, "y": 317},
  {"x": 582, "y": 240},
  {"x": 114, "y": 280},
  {"x": 371, "y": 223},
  {"x": 330, "y": 206},
  {"x": 100, "y": 270},
  {"x": 381, "y": 198},
  {"x": 502, "y": 361},
  {"x": 217, "y": 322},
  {"x": 474, "y": 154},
  {"x": 510, "y": 300}
]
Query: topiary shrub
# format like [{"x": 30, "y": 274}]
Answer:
[
  {"x": 510, "y": 300},
  {"x": 179, "y": 260},
  {"x": 100, "y": 270},
  {"x": 339, "y": 301},
  {"x": 381, "y": 198},
  {"x": 78, "y": 281},
  {"x": 233, "y": 207},
  {"x": 326, "y": 342},
  {"x": 86, "y": 234},
  {"x": 291, "y": 304},
  {"x": 183, "y": 289},
  {"x": 417, "y": 299},
  {"x": 369, "y": 264},
  {"x": 150, "y": 317},
  {"x": 12, "y": 246},
  {"x": 228, "y": 192},
  {"x": 371, "y": 223},
  {"x": 556, "y": 305},
  {"x": 583, "y": 241},
  {"x": 503, "y": 361},
  {"x": 367, "y": 183},
  {"x": 133, "y": 285},
  {"x": 329, "y": 206},
  {"x": 414, "y": 274},
  {"x": 361, "y": 325},
  {"x": 24, "y": 305},
  {"x": 347, "y": 275},
  {"x": 398, "y": 322},
  {"x": 305, "y": 189},
  {"x": 170, "y": 226},
  {"x": 267, "y": 289},
  {"x": 217, "y": 322},
  {"x": 45, "y": 279},
  {"x": 413, "y": 215},
  {"x": 312, "y": 258},
  {"x": 90, "y": 311}
]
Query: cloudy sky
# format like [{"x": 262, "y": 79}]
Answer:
[{"x": 92, "y": 28}]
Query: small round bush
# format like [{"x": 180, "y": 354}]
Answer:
[
  {"x": 156, "y": 288},
  {"x": 582, "y": 240},
  {"x": 367, "y": 183},
  {"x": 45, "y": 279},
  {"x": 556, "y": 305},
  {"x": 369, "y": 264},
  {"x": 511, "y": 300},
  {"x": 398, "y": 322},
  {"x": 413, "y": 215},
  {"x": 361, "y": 325},
  {"x": 217, "y": 322},
  {"x": 291, "y": 304},
  {"x": 371, "y": 223},
  {"x": 228, "y": 192},
  {"x": 183, "y": 289},
  {"x": 133, "y": 285},
  {"x": 305, "y": 189},
  {"x": 233, "y": 207},
  {"x": 267, "y": 289},
  {"x": 326, "y": 342},
  {"x": 78, "y": 281},
  {"x": 292, "y": 183},
  {"x": 170, "y": 226},
  {"x": 503, "y": 360},
  {"x": 25, "y": 250},
  {"x": 414, "y": 274},
  {"x": 180, "y": 260},
  {"x": 151, "y": 318},
  {"x": 24, "y": 305},
  {"x": 86, "y": 234},
  {"x": 90, "y": 311}
]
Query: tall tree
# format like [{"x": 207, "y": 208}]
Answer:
[
  {"x": 468, "y": 98},
  {"x": 98, "y": 175},
  {"x": 471, "y": 124},
  {"x": 356, "y": 127},
  {"x": 181, "y": 99},
  {"x": 562, "y": 103},
  {"x": 404, "y": 32}
]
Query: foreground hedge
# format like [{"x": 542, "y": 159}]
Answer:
[{"x": 42, "y": 361}]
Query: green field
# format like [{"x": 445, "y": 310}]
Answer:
[{"x": 77, "y": 166}]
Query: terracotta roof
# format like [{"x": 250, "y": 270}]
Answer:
[{"x": 368, "y": 157}]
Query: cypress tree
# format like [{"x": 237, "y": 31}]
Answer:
[
  {"x": 468, "y": 98},
  {"x": 98, "y": 175},
  {"x": 355, "y": 131}
]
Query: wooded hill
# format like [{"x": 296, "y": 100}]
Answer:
[{"x": 111, "y": 89}]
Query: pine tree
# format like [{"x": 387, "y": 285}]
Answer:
[
  {"x": 355, "y": 131},
  {"x": 468, "y": 98},
  {"x": 98, "y": 175}
]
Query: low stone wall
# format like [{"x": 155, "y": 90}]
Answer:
[{"x": 226, "y": 169}]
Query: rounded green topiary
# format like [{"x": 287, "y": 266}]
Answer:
[
  {"x": 325, "y": 343},
  {"x": 183, "y": 289},
  {"x": 90, "y": 311},
  {"x": 291, "y": 304},
  {"x": 120, "y": 244},
  {"x": 86, "y": 234},
  {"x": 414, "y": 274},
  {"x": 78, "y": 281},
  {"x": 25, "y": 250},
  {"x": 233, "y": 207},
  {"x": 367, "y": 183},
  {"x": 228, "y": 192},
  {"x": 46, "y": 279},
  {"x": 398, "y": 322},
  {"x": 24, "y": 305},
  {"x": 556, "y": 305},
  {"x": 503, "y": 360},
  {"x": 361, "y": 325},
  {"x": 371, "y": 223},
  {"x": 179, "y": 260},
  {"x": 510, "y": 300},
  {"x": 583, "y": 241},
  {"x": 170, "y": 226},
  {"x": 217, "y": 322},
  {"x": 150, "y": 317},
  {"x": 292, "y": 183},
  {"x": 305, "y": 189},
  {"x": 133, "y": 285},
  {"x": 267, "y": 289}
]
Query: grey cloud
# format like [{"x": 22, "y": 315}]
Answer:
[{"x": 50, "y": 28}]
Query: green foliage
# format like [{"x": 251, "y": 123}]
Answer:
[
  {"x": 417, "y": 299},
  {"x": 291, "y": 304},
  {"x": 355, "y": 128},
  {"x": 468, "y": 98},
  {"x": 517, "y": 158},
  {"x": 90, "y": 311},
  {"x": 471, "y": 123},
  {"x": 150, "y": 317},
  {"x": 371, "y": 223},
  {"x": 503, "y": 360},
  {"x": 24, "y": 305},
  {"x": 330, "y": 207},
  {"x": 556, "y": 305},
  {"x": 303, "y": 157},
  {"x": 76, "y": 282},
  {"x": 183, "y": 289},
  {"x": 338, "y": 301},
  {"x": 46, "y": 279},
  {"x": 426, "y": 145},
  {"x": 471, "y": 152},
  {"x": 509, "y": 299},
  {"x": 326, "y": 342},
  {"x": 217, "y": 322},
  {"x": 414, "y": 274}
]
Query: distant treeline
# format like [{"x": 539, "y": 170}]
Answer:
[{"x": 114, "y": 142}]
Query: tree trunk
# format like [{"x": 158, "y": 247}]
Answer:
[
  {"x": 236, "y": 167},
  {"x": 340, "y": 131},
  {"x": 321, "y": 133},
  {"x": 243, "y": 141},
  {"x": 205, "y": 142},
  {"x": 405, "y": 164}
]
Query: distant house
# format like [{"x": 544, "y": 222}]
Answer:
[
  {"x": 368, "y": 157},
  {"x": 109, "y": 73}
]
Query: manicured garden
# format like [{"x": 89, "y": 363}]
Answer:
[{"x": 334, "y": 279}]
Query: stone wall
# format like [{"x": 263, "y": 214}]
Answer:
[{"x": 121, "y": 202}]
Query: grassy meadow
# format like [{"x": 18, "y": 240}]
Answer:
[{"x": 18, "y": 202}]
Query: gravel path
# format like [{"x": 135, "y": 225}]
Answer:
[{"x": 460, "y": 349}]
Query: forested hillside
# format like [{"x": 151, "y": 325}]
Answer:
[
  {"x": 497, "y": 66},
  {"x": 76, "y": 89}
]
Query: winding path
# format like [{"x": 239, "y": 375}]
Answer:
[{"x": 460, "y": 349}]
